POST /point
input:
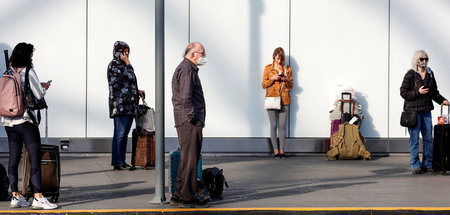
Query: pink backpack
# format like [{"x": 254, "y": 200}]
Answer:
[{"x": 11, "y": 96}]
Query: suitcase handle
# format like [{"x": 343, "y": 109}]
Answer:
[{"x": 448, "y": 109}]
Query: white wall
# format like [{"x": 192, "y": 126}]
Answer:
[
  {"x": 329, "y": 43},
  {"x": 237, "y": 51},
  {"x": 418, "y": 25},
  {"x": 109, "y": 21},
  {"x": 176, "y": 39},
  {"x": 57, "y": 31},
  {"x": 339, "y": 43}
]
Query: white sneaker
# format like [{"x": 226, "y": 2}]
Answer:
[
  {"x": 18, "y": 202},
  {"x": 43, "y": 203}
]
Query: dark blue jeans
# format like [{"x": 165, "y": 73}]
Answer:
[
  {"x": 425, "y": 127},
  {"x": 122, "y": 126}
]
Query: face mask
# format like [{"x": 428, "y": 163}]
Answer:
[
  {"x": 422, "y": 63},
  {"x": 202, "y": 61}
]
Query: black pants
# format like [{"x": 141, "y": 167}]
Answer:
[
  {"x": 190, "y": 137},
  {"x": 28, "y": 134}
]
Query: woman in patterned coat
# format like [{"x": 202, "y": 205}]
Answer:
[{"x": 123, "y": 101}]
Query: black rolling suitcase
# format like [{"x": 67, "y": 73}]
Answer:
[
  {"x": 441, "y": 148},
  {"x": 50, "y": 170}
]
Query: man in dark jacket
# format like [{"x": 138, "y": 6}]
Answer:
[
  {"x": 123, "y": 101},
  {"x": 189, "y": 112}
]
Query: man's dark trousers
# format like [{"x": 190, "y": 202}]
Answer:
[{"x": 190, "y": 137}]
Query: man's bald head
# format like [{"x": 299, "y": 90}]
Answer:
[{"x": 192, "y": 49}]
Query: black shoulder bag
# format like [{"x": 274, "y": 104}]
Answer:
[
  {"x": 30, "y": 101},
  {"x": 409, "y": 117}
]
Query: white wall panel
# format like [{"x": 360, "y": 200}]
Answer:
[
  {"x": 110, "y": 21},
  {"x": 329, "y": 44},
  {"x": 176, "y": 40},
  {"x": 57, "y": 31},
  {"x": 239, "y": 38},
  {"x": 337, "y": 43},
  {"x": 416, "y": 25}
]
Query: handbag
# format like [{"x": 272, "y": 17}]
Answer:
[
  {"x": 145, "y": 118},
  {"x": 273, "y": 103},
  {"x": 408, "y": 119}
]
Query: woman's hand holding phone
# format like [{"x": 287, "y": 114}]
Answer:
[{"x": 124, "y": 58}]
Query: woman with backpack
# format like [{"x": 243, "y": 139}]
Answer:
[
  {"x": 419, "y": 89},
  {"x": 278, "y": 81},
  {"x": 21, "y": 130}
]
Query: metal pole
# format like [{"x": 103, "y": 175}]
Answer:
[{"x": 159, "y": 83}]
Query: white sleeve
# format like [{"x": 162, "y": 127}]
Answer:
[{"x": 35, "y": 85}]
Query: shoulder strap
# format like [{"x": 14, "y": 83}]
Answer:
[
  {"x": 27, "y": 87},
  {"x": 27, "y": 78},
  {"x": 282, "y": 84}
]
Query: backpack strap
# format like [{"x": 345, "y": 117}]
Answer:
[
  {"x": 27, "y": 86},
  {"x": 224, "y": 180}
]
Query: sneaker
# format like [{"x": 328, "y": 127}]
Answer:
[
  {"x": 175, "y": 201},
  {"x": 193, "y": 204},
  {"x": 126, "y": 166},
  {"x": 283, "y": 156},
  {"x": 18, "y": 202},
  {"x": 417, "y": 170},
  {"x": 43, "y": 203},
  {"x": 276, "y": 156}
]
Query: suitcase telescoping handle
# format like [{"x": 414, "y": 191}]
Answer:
[
  {"x": 448, "y": 109},
  {"x": 346, "y": 94},
  {"x": 448, "y": 114}
]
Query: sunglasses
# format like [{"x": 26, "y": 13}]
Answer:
[{"x": 423, "y": 59}]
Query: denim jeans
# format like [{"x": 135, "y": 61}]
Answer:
[
  {"x": 424, "y": 126},
  {"x": 122, "y": 126}
]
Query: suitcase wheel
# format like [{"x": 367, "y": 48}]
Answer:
[
  {"x": 28, "y": 198},
  {"x": 54, "y": 199}
]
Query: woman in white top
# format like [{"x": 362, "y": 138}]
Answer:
[{"x": 21, "y": 130}]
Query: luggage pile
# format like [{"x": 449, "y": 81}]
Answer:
[{"x": 346, "y": 142}]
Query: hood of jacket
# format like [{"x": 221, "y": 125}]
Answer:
[{"x": 119, "y": 47}]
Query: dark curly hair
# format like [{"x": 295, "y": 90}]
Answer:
[{"x": 21, "y": 55}]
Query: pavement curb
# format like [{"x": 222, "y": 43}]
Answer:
[{"x": 245, "y": 211}]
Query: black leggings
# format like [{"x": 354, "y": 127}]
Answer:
[{"x": 28, "y": 134}]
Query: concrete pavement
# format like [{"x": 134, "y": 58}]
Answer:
[{"x": 301, "y": 184}]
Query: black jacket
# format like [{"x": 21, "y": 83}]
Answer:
[{"x": 410, "y": 91}]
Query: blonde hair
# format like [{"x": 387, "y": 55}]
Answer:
[{"x": 416, "y": 56}]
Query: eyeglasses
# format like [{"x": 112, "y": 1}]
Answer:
[
  {"x": 423, "y": 59},
  {"x": 202, "y": 53}
]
